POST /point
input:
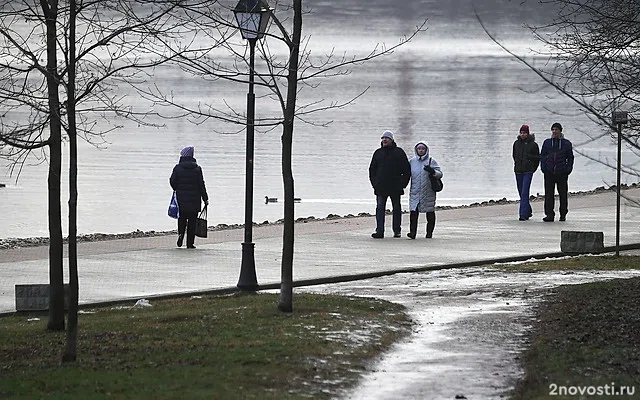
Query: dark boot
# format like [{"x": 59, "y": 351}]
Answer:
[
  {"x": 180, "y": 239},
  {"x": 191, "y": 231},
  {"x": 190, "y": 240},
  {"x": 182, "y": 227},
  {"x": 431, "y": 223},
  {"x": 413, "y": 224}
]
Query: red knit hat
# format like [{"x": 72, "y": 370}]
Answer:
[{"x": 524, "y": 128}]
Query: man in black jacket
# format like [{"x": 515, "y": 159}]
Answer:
[
  {"x": 389, "y": 173},
  {"x": 187, "y": 180}
]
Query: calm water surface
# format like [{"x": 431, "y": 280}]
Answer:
[{"x": 452, "y": 87}]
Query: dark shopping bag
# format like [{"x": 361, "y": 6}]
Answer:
[{"x": 201, "y": 223}]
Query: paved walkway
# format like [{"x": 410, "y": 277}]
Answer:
[{"x": 329, "y": 250}]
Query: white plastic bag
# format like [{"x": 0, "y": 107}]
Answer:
[{"x": 142, "y": 303}]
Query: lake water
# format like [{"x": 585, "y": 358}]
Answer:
[{"x": 451, "y": 86}]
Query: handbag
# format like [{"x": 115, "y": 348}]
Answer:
[
  {"x": 201, "y": 223},
  {"x": 174, "y": 209},
  {"x": 436, "y": 183}
]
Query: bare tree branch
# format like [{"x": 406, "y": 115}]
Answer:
[{"x": 592, "y": 50}]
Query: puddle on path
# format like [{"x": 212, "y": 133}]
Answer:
[{"x": 470, "y": 329}]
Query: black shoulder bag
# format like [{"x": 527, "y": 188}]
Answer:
[{"x": 436, "y": 183}]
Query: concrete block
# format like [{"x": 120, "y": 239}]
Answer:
[
  {"x": 35, "y": 297},
  {"x": 578, "y": 242}
]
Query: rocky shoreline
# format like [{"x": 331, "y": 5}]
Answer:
[{"x": 14, "y": 243}]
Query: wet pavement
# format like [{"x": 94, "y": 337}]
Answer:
[
  {"x": 325, "y": 251},
  {"x": 470, "y": 329}
]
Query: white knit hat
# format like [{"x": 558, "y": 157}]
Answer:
[{"x": 387, "y": 134}]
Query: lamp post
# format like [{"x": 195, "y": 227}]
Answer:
[
  {"x": 619, "y": 118},
  {"x": 252, "y": 17}
]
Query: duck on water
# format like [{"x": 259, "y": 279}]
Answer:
[{"x": 268, "y": 199}]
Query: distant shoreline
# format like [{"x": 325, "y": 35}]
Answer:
[{"x": 14, "y": 243}]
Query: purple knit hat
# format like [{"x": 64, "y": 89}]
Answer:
[{"x": 187, "y": 152}]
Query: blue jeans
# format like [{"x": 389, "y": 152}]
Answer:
[
  {"x": 524, "y": 184},
  {"x": 381, "y": 206}
]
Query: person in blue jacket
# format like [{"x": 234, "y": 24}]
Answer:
[
  {"x": 422, "y": 196},
  {"x": 556, "y": 163}
]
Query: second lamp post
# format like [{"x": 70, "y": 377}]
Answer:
[{"x": 252, "y": 17}]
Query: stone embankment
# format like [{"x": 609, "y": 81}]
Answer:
[{"x": 12, "y": 243}]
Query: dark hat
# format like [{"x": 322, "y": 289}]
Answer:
[
  {"x": 524, "y": 128},
  {"x": 556, "y": 125},
  {"x": 187, "y": 152}
]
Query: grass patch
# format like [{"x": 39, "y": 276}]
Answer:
[
  {"x": 228, "y": 347},
  {"x": 597, "y": 263},
  {"x": 585, "y": 336}
]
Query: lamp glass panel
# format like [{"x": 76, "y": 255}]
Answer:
[
  {"x": 249, "y": 24},
  {"x": 265, "y": 21}
]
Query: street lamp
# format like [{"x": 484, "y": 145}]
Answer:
[
  {"x": 252, "y": 17},
  {"x": 619, "y": 118}
]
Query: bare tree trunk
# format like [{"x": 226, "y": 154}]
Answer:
[
  {"x": 56, "y": 281},
  {"x": 70, "y": 351},
  {"x": 149, "y": 30},
  {"x": 286, "y": 284}
]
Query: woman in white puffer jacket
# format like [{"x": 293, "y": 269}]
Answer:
[{"x": 422, "y": 198}]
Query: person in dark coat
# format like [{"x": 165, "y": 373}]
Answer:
[
  {"x": 526, "y": 158},
  {"x": 389, "y": 174},
  {"x": 556, "y": 163},
  {"x": 188, "y": 182}
]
